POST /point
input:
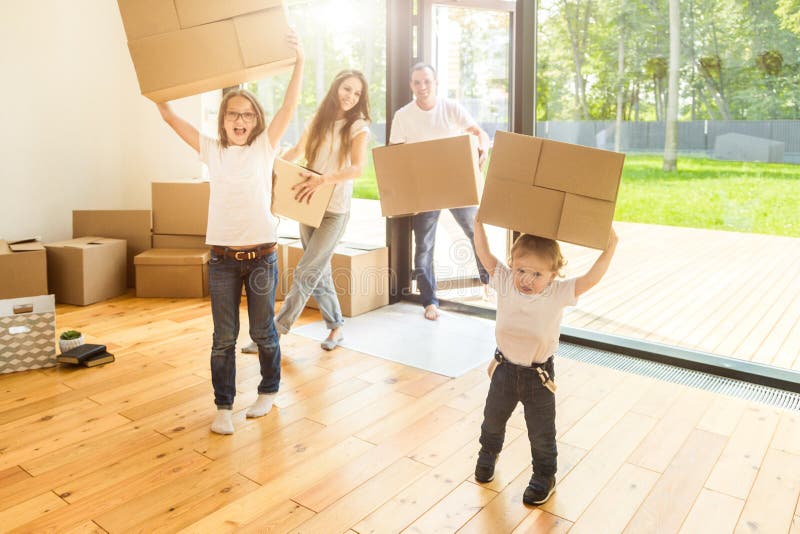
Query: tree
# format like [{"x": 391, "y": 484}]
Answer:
[
  {"x": 671, "y": 137},
  {"x": 789, "y": 13}
]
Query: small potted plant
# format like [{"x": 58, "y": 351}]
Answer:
[{"x": 69, "y": 340}]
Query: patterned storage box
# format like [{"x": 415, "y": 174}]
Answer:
[{"x": 27, "y": 333}]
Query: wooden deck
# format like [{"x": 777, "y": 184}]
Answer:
[
  {"x": 728, "y": 293},
  {"x": 360, "y": 444}
]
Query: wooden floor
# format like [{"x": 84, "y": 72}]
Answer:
[{"x": 360, "y": 444}]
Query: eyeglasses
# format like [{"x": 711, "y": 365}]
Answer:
[{"x": 247, "y": 116}]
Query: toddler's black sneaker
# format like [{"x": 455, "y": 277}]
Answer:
[
  {"x": 484, "y": 469},
  {"x": 539, "y": 489}
]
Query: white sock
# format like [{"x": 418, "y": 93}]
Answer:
[
  {"x": 262, "y": 406},
  {"x": 223, "y": 424}
]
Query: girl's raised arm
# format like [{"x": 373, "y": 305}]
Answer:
[
  {"x": 280, "y": 122},
  {"x": 184, "y": 129},
  {"x": 488, "y": 260},
  {"x": 596, "y": 272}
]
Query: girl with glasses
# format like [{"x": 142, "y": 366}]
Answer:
[{"x": 242, "y": 234}]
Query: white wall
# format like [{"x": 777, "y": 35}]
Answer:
[{"x": 74, "y": 131}]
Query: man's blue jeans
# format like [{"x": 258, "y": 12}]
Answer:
[
  {"x": 424, "y": 226},
  {"x": 225, "y": 279}
]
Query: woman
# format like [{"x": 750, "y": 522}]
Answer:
[{"x": 335, "y": 146}]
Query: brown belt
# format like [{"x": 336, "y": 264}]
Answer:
[{"x": 245, "y": 254}]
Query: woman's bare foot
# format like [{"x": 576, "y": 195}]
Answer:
[{"x": 431, "y": 312}]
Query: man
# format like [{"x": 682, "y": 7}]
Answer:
[{"x": 425, "y": 118}]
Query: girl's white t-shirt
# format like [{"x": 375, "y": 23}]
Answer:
[
  {"x": 528, "y": 326},
  {"x": 327, "y": 161},
  {"x": 241, "y": 192}
]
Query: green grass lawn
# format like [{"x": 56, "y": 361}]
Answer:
[{"x": 761, "y": 198}]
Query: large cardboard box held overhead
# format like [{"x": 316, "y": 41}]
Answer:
[
  {"x": 428, "y": 176},
  {"x": 172, "y": 273},
  {"x": 185, "y": 47},
  {"x": 23, "y": 269},
  {"x": 180, "y": 208},
  {"x": 87, "y": 269},
  {"x": 131, "y": 225},
  {"x": 551, "y": 189},
  {"x": 360, "y": 275},
  {"x": 287, "y": 175}
]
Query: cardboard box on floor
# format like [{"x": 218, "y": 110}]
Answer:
[
  {"x": 87, "y": 269},
  {"x": 179, "y": 241},
  {"x": 131, "y": 225},
  {"x": 186, "y": 47},
  {"x": 360, "y": 274},
  {"x": 427, "y": 176},
  {"x": 27, "y": 333},
  {"x": 172, "y": 273},
  {"x": 287, "y": 175},
  {"x": 551, "y": 189},
  {"x": 23, "y": 269},
  {"x": 180, "y": 207}
]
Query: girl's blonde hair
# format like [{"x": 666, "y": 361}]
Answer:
[
  {"x": 547, "y": 249},
  {"x": 255, "y": 131},
  {"x": 324, "y": 120}
]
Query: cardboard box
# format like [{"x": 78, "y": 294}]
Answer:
[
  {"x": 551, "y": 189},
  {"x": 23, "y": 269},
  {"x": 360, "y": 274},
  {"x": 87, "y": 269},
  {"x": 179, "y": 241},
  {"x": 186, "y": 47},
  {"x": 180, "y": 207},
  {"x": 27, "y": 333},
  {"x": 131, "y": 225},
  {"x": 428, "y": 176},
  {"x": 287, "y": 175},
  {"x": 172, "y": 273}
]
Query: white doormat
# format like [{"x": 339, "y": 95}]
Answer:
[{"x": 451, "y": 346}]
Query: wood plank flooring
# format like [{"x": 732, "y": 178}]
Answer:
[{"x": 360, "y": 444}]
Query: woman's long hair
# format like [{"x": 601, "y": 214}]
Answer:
[{"x": 324, "y": 120}]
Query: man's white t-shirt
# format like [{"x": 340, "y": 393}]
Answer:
[
  {"x": 528, "y": 326},
  {"x": 412, "y": 124},
  {"x": 327, "y": 161},
  {"x": 241, "y": 192}
]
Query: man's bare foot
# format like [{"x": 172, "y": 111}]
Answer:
[{"x": 431, "y": 312}]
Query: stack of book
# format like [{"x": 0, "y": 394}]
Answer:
[{"x": 87, "y": 355}]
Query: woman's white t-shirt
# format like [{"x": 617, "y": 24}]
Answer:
[
  {"x": 327, "y": 161},
  {"x": 241, "y": 192},
  {"x": 528, "y": 326}
]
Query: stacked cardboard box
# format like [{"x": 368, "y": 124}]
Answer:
[
  {"x": 131, "y": 225},
  {"x": 23, "y": 269},
  {"x": 427, "y": 176},
  {"x": 551, "y": 189},
  {"x": 186, "y": 47},
  {"x": 172, "y": 273},
  {"x": 87, "y": 269},
  {"x": 360, "y": 274}
]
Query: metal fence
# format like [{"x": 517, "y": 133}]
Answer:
[{"x": 693, "y": 136}]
